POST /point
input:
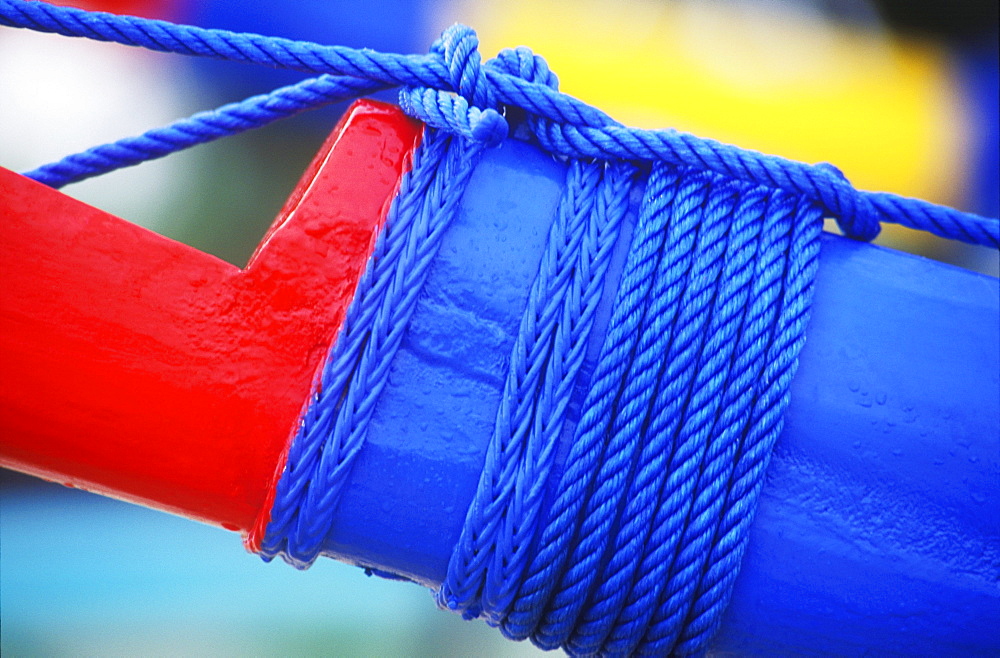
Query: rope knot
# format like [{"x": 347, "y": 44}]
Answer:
[
  {"x": 856, "y": 216},
  {"x": 459, "y": 48},
  {"x": 468, "y": 107},
  {"x": 522, "y": 63}
]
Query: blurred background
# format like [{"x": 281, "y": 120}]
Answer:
[{"x": 900, "y": 94}]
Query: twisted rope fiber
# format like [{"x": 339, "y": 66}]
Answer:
[
  {"x": 567, "y": 603},
  {"x": 729, "y": 542},
  {"x": 638, "y": 550},
  {"x": 700, "y": 356},
  {"x": 633, "y": 288},
  {"x": 674, "y": 490},
  {"x": 723, "y": 456},
  {"x": 565, "y": 125},
  {"x": 560, "y": 380},
  {"x": 622, "y": 433},
  {"x": 664, "y": 402},
  {"x": 549, "y": 612},
  {"x": 545, "y": 361},
  {"x": 514, "y": 422},
  {"x": 618, "y": 574}
]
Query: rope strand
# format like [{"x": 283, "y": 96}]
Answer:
[{"x": 201, "y": 128}]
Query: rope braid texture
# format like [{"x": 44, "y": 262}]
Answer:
[{"x": 634, "y": 547}]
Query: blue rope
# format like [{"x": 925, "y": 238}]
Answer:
[
  {"x": 614, "y": 579},
  {"x": 639, "y": 546},
  {"x": 201, "y": 128},
  {"x": 545, "y": 361},
  {"x": 333, "y": 429},
  {"x": 561, "y": 123},
  {"x": 744, "y": 485}
]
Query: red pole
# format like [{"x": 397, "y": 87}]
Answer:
[{"x": 143, "y": 369}]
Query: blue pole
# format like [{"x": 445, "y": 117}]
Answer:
[{"x": 878, "y": 529}]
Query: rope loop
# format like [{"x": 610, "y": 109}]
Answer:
[
  {"x": 459, "y": 48},
  {"x": 522, "y": 63},
  {"x": 855, "y": 214},
  {"x": 472, "y": 113}
]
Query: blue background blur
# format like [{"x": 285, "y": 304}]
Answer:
[{"x": 86, "y": 575}]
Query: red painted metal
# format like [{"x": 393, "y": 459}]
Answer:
[
  {"x": 143, "y": 369},
  {"x": 162, "y": 9}
]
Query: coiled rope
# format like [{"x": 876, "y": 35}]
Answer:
[{"x": 635, "y": 547}]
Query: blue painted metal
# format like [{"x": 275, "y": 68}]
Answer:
[{"x": 878, "y": 529}]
